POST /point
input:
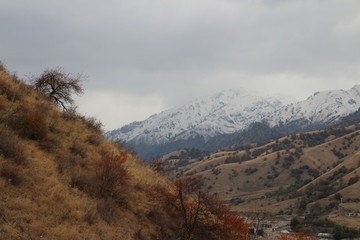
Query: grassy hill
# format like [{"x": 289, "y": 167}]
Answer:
[
  {"x": 60, "y": 179},
  {"x": 48, "y": 162},
  {"x": 296, "y": 174}
]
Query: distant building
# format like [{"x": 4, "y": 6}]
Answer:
[
  {"x": 349, "y": 212},
  {"x": 352, "y": 214},
  {"x": 325, "y": 235}
]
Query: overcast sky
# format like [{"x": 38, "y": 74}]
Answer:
[{"x": 143, "y": 56}]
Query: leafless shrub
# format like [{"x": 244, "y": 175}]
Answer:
[
  {"x": 79, "y": 148},
  {"x": 93, "y": 124},
  {"x": 11, "y": 92},
  {"x": 29, "y": 123},
  {"x": 49, "y": 144},
  {"x": 67, "y": 162},
  {"x": 10, "y": 146},
  {"x": 13, "y": 88},
  {"x": 94, "y": 139},
  {"x": 123, "y": 146},
  {"x": 7, "y": 111},
  {"x": 158, "y": 166},
  {"x": 70, "y": 114},
  {"x": 2, "y": 67},
  {"x": 83, "y": 182},
  {"x": 157, "y": 216},
  {"x": 111, "y": 175},
  {"x": 107, "y": 180}
]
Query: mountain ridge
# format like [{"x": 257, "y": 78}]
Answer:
[
  {"x": 202, "y": 116},
  {"x": 329, "y": 106},
  {"x": 228, "y": 114}
]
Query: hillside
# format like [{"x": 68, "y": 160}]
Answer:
[
  {"x": 46, "y": 157},
  {"x": 288, "y": 175},
  {"x": 60, "y": 179}
]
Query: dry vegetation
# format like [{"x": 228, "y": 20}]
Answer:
[
  {"x": 60, "y": 179},
  {"x": 289, "y": 175},
  {"x": 313, "y": 175}
]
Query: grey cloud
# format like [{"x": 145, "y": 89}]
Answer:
[{"x": 178, "y": 49}]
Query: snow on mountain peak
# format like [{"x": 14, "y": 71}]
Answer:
[
  {"x": 231, "y": 111},
  {"x": 225, "y": 112},
  {"x": 320, "y": 108}
]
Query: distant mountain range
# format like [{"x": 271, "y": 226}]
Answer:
[{"x": 235, "y": 117}]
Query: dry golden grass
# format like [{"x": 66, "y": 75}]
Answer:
[
  {"x": 45, "y": 205},
  {"x": 353, "y": 222},
  {"x": 231, "y": 181},
  {"x": 351, "y": 205}
]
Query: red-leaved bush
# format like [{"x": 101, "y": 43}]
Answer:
[
  {"x": 111, "y": 176},
  {"x": 295, "y": 236},
  {"x": 198, "y": 213}
]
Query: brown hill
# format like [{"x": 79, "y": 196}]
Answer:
[
  {"x": 47, "y": 164},
  {"x": 60, "y": 179},
  {"x": 287, "y": 175}
]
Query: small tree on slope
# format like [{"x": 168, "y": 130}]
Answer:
[{"x": 59, "y": 86}]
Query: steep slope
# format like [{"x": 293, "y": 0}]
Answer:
[
  {"x": 61, "y": 179},
  {"x": 49, "y": 187}
]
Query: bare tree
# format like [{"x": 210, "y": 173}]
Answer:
[
  {"x": 199, "y": 213},
  {"x": 257, "y": 217},
  {"x": 59, "y": 86}
]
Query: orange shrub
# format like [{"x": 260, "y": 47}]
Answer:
[
  {"x": 231, "y": 227},
  {"x": 198, "y": 213},
  {"x": 111, "y": 175},
  {"x": 295, "y": 236}
]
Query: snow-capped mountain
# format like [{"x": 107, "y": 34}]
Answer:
[
  {"x": 226, "y": 112},
  {"x": 323, "y": 108},
  {"x": 225, "y": 116}
]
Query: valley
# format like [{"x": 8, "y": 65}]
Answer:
[
  {"x": 180, "y": 120},
  {"x": 58, "y": 171},
  {"x": 295, "y": 164},
  {"x": 311, "y": 174}
]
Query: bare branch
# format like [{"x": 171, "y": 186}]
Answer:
[{"x": 59, "y": 86}]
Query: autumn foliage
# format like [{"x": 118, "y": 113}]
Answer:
[
  {"x": 296, "y": 236},
  {"x": 231, "y": 226},
  {"x": 110, "y": 175},
  {"x": 199, "y": 213}
]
